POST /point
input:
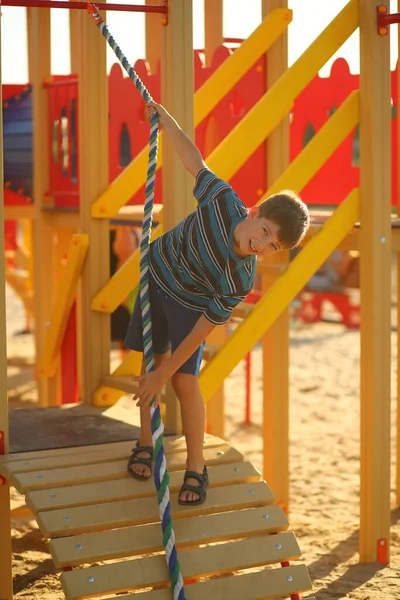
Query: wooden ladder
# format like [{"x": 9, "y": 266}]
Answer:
[{"x": 92, "y": 511}]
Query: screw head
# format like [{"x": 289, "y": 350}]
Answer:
[
  {"x": 382, "y": 239},
  {"x": 289, "y": 578},
  {"x": 220, "y": 453},
  {"x": 65, "y": 518},
  {"x": 52, "y": 496},
  {"x": 265, "y": 516},
  {"x": 251, "y": 491},
  {"x": 39, "y": 476},
  {"x": 78, "y": 546},
  {"x": 236, "y": 469},
  {"x": 278, "y": 546},
  {"x": 90, "y": 579}
]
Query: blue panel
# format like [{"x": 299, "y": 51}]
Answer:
[{"x": 18, "y": 144}]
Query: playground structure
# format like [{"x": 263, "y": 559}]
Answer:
[{"x": 88, "y": 263}]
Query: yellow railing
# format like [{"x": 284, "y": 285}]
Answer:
[
  {"x": 272, "y": 304},
  {"x": 63, "y": 304},
  {"x": 296, "y": 176},
  {"x": 208, "y": 96}
]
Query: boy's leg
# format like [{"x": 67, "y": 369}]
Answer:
[
  {"x": 145, "y": 437},
  {"x": 193, "y": 412}
]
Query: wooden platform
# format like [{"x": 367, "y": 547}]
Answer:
[{"x": 92, "y": 511}]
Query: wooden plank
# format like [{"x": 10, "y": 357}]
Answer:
[
  {"x": 134, "y": 541},
  {"x": 94, "y": 339},
  {"x": 172, "y": 444},
  {"x": 220, "y": 559},
  {"x": 375, "y": 279},
  {"x": 266, "y": 584},
  {"x": 94, "y": 470},
  {"x": 98, "y": 517},
  {"x": 122, "y": 489},
  {"x": 275, "y": 369}
]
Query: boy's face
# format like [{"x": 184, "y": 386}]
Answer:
[{"x": 256, "y": 235}]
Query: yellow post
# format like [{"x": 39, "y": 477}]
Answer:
[
  {"x": 215, "y": 405},
  {"x": 6, "y": 587},
  {"x": 213, "y": 27},
  {"x": 94, "y": 350},
  {"x": 177, "y": 96},
  {"x": 153, "y": 38},
  {"x": 276, "y": 340},
  {"x": 375, "y": 246},
  {"x": 39, "y": 69}
]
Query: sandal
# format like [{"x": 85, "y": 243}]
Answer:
[
  {"x": 200, "y": 490},
  {"x": 140, "y": 460}
]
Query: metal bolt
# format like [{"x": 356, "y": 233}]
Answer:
[
  {"x": 382, "y": 239},
  {"x": 265, "y": 516},
  {"x": 39, "y": 476},
  {"x": 236, "y": 469},
  {"x": 278, "y": 546},
  {"x": 289, "y": 578},
  {"x": 220, "y": 453},
  {"x": 66, "y": 518},
  {"x": 382, "y": 542},
  {"x": 52, "y": 495},
  {"x": 90, "y": 579},
  {"x": 78, "y": 546},
  {"x": 251, "y": 491}
]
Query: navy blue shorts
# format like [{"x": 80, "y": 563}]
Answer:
[{"x": 171, "y": 324}]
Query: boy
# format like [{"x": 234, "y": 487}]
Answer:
[{"x": 199, "y": 271}]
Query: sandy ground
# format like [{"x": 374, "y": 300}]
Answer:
[{"x": 324, "y": 447}]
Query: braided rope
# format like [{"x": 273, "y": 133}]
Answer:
[{"x": 161, "y": 475}]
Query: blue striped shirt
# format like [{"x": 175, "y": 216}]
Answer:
[{"x": 195, "y": 262}]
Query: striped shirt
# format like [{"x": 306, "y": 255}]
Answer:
[{"x": 195, "y": 262}]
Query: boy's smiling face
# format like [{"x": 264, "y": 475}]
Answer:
[{"x": 256, "y": 236}]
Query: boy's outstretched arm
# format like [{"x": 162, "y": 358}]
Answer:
[
  {"x": 186, "y": 149},
  {"x": 152, "y": 383}
]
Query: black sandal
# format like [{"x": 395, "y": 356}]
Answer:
[
  {"x": 200, "y": 490},
  {"x": 140, "y": 460}
]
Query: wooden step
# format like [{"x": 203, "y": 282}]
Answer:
[
  {"x": 265, "y": 584},
  {"x": 124, "y": 489},
  {"x": 136, "y": 541},
  {"x": 198, "y": 562},
  {"x": 93, "y": 469},
  {"x": 123, "y": 513}
]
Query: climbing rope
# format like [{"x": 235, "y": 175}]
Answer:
[{"x": 161, "y": 475}]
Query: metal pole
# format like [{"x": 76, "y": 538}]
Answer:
[{"x": 162, "y": 8}]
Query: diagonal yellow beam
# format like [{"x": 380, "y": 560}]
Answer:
[
  {"x": 296, "y": 176},
  {"x": 205, "y": 99},
  {"x": 281, "y": 293},
  {"x": 256, "y": 126},
  {"x": 63, "y": 304},
  {"x": 319, "y": 149}
]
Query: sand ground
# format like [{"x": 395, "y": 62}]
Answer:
[{"x": 324, "y": 456}]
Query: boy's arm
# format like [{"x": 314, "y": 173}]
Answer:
[
  {"x": 186, "y": 149},
  {"x": 152, "y": 384}
]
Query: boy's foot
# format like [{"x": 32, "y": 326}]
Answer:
[
  {"x": 194, "y": 489},
  {"x": 140, "y": 462}
]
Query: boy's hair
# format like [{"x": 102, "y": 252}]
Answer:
[{"x": 290, "y": 213}]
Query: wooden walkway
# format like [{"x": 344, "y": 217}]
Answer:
[{"x": 93, "y": 512}]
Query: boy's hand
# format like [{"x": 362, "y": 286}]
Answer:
[
  {"x": 150, "y": 385},
  {"x": 153, "y": 107}
]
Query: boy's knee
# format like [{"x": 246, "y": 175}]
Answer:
[{"x": 184, "y": 384}]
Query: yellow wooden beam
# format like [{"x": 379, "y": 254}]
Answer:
[
  {"x": 256, "y": 126},
  {"x": 320, "y": 148},
  {"x": 206, "y": 98},
  {"x": 272, "y": 304},
  {"x": 63, "y": 304},
  {"x": 375, "y": 279},
  {"x": 296, "y": 176}
]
